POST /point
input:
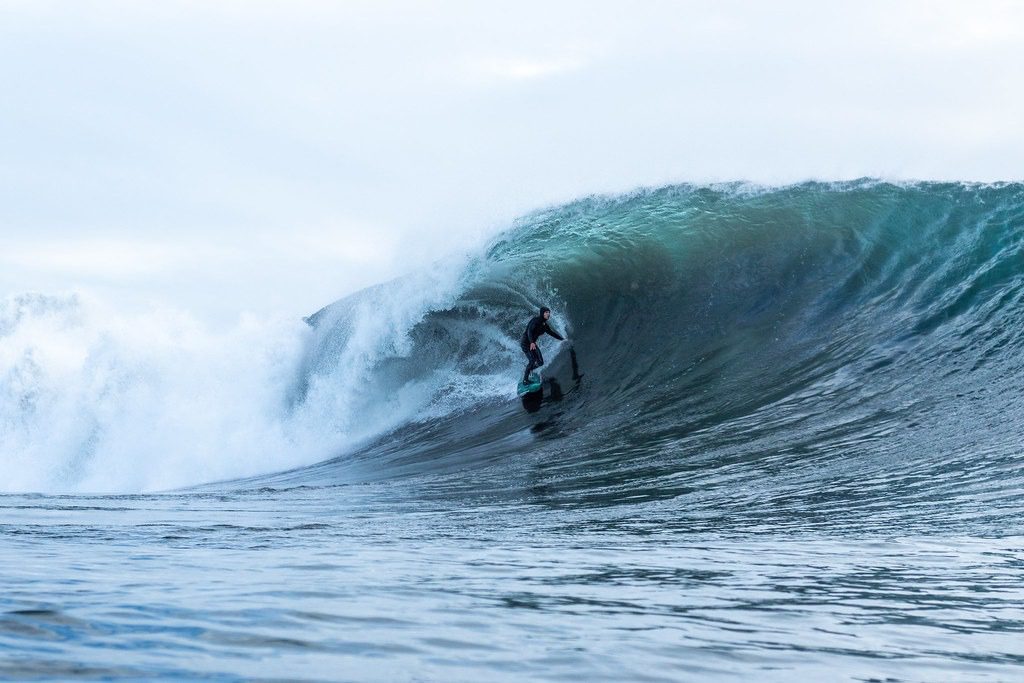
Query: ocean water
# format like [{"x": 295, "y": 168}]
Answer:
[{"x": 782, "y": 443}]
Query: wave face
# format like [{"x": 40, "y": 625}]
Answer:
[{"x": 848, "y": 341}]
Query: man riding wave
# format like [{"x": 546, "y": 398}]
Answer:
[{"x": 537, "y": 326}]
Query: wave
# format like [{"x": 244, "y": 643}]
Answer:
[{"x": 864, "y": 332}]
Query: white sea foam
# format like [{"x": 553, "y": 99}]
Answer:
[{"x": 93, "y": 399}]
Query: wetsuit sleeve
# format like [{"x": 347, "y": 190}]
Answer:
[{"x": 547, "y": 328}]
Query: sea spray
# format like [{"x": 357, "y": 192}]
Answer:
[{"x": 715, "y": 325}]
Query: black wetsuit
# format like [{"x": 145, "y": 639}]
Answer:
[{"x": 536, "y": 327}]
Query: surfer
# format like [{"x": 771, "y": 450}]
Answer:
[{"x": 537, "y": 326}]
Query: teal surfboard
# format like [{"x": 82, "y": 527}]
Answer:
[{"x": 529, "y": 387}]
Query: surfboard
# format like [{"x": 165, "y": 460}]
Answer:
[{"x": 529, "y": 387}]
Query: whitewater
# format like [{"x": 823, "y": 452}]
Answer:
[{"x": 782, "y": 442}]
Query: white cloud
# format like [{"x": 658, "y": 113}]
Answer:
[
  {"x": 104, "y": 258},
  {"x": 257, "y": 146},
  {"x": 952, "y": 26},
  {"x": 522, "y": 69}
]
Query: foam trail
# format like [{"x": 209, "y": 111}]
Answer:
[{"x": 93, "y": 400}]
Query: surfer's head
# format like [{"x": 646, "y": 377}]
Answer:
[{"x": 545, "y": 312}]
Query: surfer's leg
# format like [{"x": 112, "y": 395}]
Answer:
[{"x": 535, "y": 361}]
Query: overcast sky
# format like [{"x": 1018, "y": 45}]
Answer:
[{"x": 254, "y": 156}]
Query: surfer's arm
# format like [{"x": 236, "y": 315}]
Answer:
[{"x": 547, "y": 328}]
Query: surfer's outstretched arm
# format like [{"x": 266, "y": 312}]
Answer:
[{"x": 547, "y": 328}]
